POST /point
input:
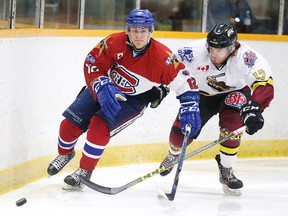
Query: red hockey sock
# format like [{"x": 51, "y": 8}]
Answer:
[
  {"x": 68, "y": 135},
  {"x": 98, "y": 136}
]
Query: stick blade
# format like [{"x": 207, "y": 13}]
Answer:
[
  {"x": 161, "y": 194},
  {"x": 96, "y": 187},
  {"x": 170, "y": 196}
]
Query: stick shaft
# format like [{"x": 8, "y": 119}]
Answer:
[
  {"x": 116, "y": 190},
  {"x": 171, "y": 195}
]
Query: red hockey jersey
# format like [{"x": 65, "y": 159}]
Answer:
[{"x": 134, "y": 74}]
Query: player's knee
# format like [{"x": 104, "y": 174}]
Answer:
[
  {"x": 176, "y": 140},
  {"x": 98, "y": 132},
  {"x": 230, "y": 119},
  {"x": 68, "y": 131}
]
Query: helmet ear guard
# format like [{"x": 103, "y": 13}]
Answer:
[{"x": 221, "y": 36}]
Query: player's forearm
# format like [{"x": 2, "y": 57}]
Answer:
[{"x": 263, "y": 95}]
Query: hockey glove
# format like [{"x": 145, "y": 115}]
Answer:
[
  {"x": 252, "y": 117},
  {"x": 157, "y": 94},
  {"x": 189, "y": 112},
  {"x": 108, "y": 95}
]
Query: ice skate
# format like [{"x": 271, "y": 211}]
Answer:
[
  {"x": 59, "y": 163},
  {"x": 169, "y": 159},
  {"x": 230, "y": 184},
  {"x": 73, "y": 181}
]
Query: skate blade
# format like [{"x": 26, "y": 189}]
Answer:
[
  {"x": 71, "y": 188},
  {"x": 232, "y": 192}
]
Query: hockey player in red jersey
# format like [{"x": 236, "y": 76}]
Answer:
[
  {"x": 236, "y": 83},
  {"x": 124, "y": 73}
]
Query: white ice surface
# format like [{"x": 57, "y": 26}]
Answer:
[{"x": 265, "y": 192}]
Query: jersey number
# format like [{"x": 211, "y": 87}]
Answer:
[
  {"x": 192, "y": 83},
  {"x": 91, "y": 68},
  {"x": 260, "y": 75}
]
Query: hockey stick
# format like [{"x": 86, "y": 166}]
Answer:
[
  {"x": 116, "y": 190},
  {"x": 171, "y": 195}
]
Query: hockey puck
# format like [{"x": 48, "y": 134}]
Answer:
[{"x": 21, "y": 201}]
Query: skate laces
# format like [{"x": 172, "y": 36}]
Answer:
[
  {"x": 60, "y": 161},
  {"x": 73, "y": 180},
  {"x": 170, "y": 158},
  {"x": 80, "y": 172},
  {"x": 228, "y": 174}
]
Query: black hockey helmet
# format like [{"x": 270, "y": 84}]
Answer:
[{"x": 222, "y": 35}]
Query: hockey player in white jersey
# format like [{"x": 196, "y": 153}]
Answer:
[{"x": 236, "y": 83}]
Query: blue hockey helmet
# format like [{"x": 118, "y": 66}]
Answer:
[{"x": 140, "y": 18}]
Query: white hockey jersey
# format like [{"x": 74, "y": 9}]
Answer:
[{"x": 248, "y": 67}]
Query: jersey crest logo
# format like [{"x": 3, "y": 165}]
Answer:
[
  {"x": 235, "y": 99},
  {"x": 249, "y": 58},
  {"x": 186, "y": 54},
  {"x": 124, "y": 79},
  {"x": 218, "y": 85}
]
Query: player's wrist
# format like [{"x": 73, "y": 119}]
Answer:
[{"x": 189, "y": 96}]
